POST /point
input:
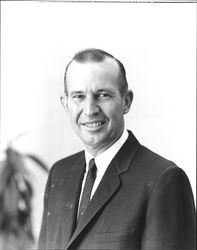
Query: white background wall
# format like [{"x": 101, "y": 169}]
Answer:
[{"x": 155, "y": 42}]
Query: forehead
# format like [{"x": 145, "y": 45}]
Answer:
[{"x": 107, "y": 70}]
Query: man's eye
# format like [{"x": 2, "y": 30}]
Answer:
[
  {"x": 104, "y": 96},
  {"x": 78, "y": 97}
]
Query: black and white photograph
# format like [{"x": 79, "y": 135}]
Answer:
[{"x": 98, "y": 125}]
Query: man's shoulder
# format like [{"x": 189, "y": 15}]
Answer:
[
  {"x": 68, "y": 161},
  {"x": 145, "y": 156},
  {"x": 150, "y": 156},
  {"x": 151, "y": 161},
  {"x": 149, "y": 168}
]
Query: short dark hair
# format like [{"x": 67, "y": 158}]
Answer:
[{"x": 97, "y": 55}]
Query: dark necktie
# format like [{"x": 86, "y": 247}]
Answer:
[{"x": 85, "y": 198}]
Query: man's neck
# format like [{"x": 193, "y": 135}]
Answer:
[{"x": 97, "y": 151}]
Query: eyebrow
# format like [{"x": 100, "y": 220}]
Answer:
[
  {"x": 104, "y": 90},
  {"x": 76, "y": 92}
]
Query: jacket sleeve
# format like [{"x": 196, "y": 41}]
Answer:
[
  {"x": 42, "y": 241},
  {"x": 170, "y": 218}
]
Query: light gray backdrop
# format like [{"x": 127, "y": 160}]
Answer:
[{"x": 155, "y": 42}]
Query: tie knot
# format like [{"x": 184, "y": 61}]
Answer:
[{"x": 92, "y": 166}]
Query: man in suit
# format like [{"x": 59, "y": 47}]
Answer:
[{"x": 116, "y": 194}]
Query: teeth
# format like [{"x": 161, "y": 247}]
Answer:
[{"x": 93, "y": 125}]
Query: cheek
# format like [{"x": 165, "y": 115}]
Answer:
[
  {"x": 73, "y": 111},
  {"x": 117, "y": 118},
  {"x": 73, "y": 118},
  {"x": 114, "y": 111}
]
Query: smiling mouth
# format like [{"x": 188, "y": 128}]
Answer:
[{"x": 93, "y": 124}]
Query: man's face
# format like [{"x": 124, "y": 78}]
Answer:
[{"x": 95, "y": 105}]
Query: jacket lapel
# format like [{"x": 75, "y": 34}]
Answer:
[
  {"x": 73, "y": 187},
  {"x": 109, "y": 183}
]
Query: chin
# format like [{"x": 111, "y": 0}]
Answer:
[{"x": 93, "y": 141}]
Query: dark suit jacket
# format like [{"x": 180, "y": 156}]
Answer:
[{"x": 143, "y": 202}]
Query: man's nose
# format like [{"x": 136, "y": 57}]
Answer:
[{"x": 91, "y": 106}]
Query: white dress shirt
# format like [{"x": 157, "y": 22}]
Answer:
[{"x": 102, "y": 161}]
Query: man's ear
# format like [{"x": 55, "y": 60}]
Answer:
[
  {"x": 64, "y": 101},
  {"x": 128, "y": 98}
]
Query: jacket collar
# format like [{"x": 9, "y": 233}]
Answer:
[{"x": 126, "y": 153}]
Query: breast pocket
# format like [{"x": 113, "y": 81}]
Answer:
[{"x": 116, "y": 240}]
